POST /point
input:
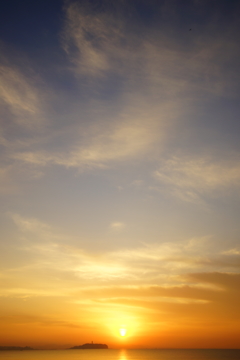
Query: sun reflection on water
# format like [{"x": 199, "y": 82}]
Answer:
[{"x": 123, "y": 355}]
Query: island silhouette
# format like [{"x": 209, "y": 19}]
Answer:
[
  {"x": 82, "y": 347},
  {"x": 89, "y": 346}
]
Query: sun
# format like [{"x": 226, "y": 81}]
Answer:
[{"x": 123, "y": 331}]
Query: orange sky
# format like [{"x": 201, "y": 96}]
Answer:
[{"x": 154, "y": 316}]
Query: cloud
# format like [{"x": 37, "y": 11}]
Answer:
[
  {"x": 127, "y": 137},
  {"x": 169, "y": 278},
  {"x": 142, "y": 88},
  {"x": 117, "y": 226},
  {"x": 35, "y": 229},
  {"x": 21, "y": 97},
  {"x": 191, "y": 177},
  {"x": 154, "y": 81},
  {"x": 43, "y": 247},
  {"x": 33, "y": 319},
  {"x": 89, "y": 39},
  {"x": 151, "y": 263},
  {"x": 49, "y": 249},
  {"x": 231, "y": 252},
  {"x": 101, "y": 43},
  {"x": 229, "y": 281},
  {"x": 167, "y": 250}
]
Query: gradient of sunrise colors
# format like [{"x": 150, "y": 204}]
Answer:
[{"x": 120, "y": 174}]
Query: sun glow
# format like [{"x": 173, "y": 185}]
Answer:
[{"x": 123, "y": 331}]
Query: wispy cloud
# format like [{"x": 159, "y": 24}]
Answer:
[
  {"x": 117, "y": 226},
  {"x": 129, "y": 136},
  {"x": 90, "y": 40},
  {"x": 155, "y": 82},
  {"x": 191, "y": 177},
  {"x": 100, "y": 42},
  {"x": 225, "y": 280},
  {"x": 233, "y": 251},
  {"x": 20, "y": 97},
  {"x": 149, "y": 261},
  {"x": 147, "y": 264},
  {"x": 158, "y": 82}
]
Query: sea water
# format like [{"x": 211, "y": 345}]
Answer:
[{"x": 121, "y": 355}]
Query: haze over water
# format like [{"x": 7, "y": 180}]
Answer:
[{"x": 123, "y": 355}]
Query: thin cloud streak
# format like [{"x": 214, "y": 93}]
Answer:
[
  {"x": 190, "y": 178},
  {"x": 121, "y": 142},
  {"x": 21, "y": 98}
]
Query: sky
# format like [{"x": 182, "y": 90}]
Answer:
[{"x": 120, "y": 173}]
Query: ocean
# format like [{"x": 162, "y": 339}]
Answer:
[{"x": 121, "y": 355}]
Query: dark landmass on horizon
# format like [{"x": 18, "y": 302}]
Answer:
[
  {"x": 15, "y": 348},
  {"x": 89, "y": 346}
]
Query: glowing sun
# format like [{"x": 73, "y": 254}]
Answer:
[{"x": 123, "y": 331}]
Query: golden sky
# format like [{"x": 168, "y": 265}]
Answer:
[{"x": 120, "y": 174}]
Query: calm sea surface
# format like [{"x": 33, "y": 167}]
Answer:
[{"x": 121, "y": 355}]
